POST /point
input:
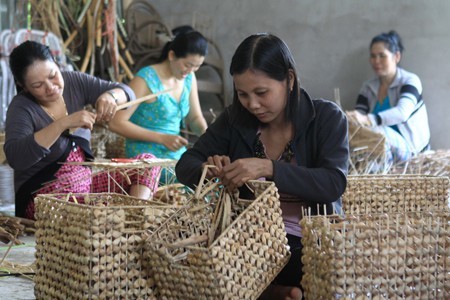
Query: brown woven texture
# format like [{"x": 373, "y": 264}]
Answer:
[
  {"x": 398, "y": 256},
  {"x": 368, "y": 194},
  {"x": 95, "y": 250},
  {"x": 367, "y": 150},
  {"x": 197, "y": 255}
]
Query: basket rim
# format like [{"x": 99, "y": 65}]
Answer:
[{"x": 151, "y": 203}]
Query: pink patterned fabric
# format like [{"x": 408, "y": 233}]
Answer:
[{"x": 72, "y": 178}]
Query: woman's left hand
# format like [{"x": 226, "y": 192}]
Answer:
[
  {"x": 105, "y": 107},
  {"x": 358, "y": 118},
  {"x": 240, "y": 171}
]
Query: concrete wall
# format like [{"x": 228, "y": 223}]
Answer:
[{"x": 330, "y": 41}]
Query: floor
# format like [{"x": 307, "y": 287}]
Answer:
[{"x": 16, "y": 287}]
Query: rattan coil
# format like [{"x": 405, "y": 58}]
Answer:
[
  {"x": 238, "y": 263},
  {"x": 398, "y": 256}
]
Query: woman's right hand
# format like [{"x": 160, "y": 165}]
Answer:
[
  {"x": 82, "y": 118},
  {"x": 173, "y": 142},
  {"x": 219, "y": 161}
]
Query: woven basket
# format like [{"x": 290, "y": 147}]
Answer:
[
  {"x": 239, "y": 263},
  {"x": 367, "y": 150},
  {"x": 395, "y": 193},
  {"x": 94, "y": 250},
  {"x": 398, "y": 256}
]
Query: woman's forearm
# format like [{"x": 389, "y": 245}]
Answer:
[
  {"x": 198, "y": 125},
  {"x": 130, "y": 130}
]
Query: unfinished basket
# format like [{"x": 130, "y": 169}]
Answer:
[
  {"x": 399, "y": 256},
  {"x": 395, "y": 193},
  {"x": 367, "y": 150},
  {"x": 193, "y": 261},
  {"x": 94, "y": 250}
]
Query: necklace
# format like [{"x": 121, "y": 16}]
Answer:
[{"x": 51, "y": 114}]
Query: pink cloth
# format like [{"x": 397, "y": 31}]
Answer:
[{"x": 72, "y": 178}]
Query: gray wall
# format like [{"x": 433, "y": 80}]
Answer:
[{"x": 330, "y": 41}]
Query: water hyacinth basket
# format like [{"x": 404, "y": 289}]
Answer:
[
  {"x": 397, "y": 256},
  {"x": 95, "y": 250},
  {"x": 196, "y": 256}
]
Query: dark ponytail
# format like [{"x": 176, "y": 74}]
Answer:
[
  {"x": 186, "y": 41},
  {"x": 392, "y": 41}
]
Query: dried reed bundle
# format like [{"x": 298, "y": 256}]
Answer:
[{"x": 13, "y": 227}]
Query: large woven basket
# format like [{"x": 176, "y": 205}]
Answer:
[
  {"x": 395, "y": 193},
  {"x": 239, "y": 264},
  {"x": 94, "y": 250},
  {"x": 398, "y": 256}
]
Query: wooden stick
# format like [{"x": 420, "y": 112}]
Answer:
[
  {"x": 142, "y": 99},
  {"x": 127, "y": 70}
]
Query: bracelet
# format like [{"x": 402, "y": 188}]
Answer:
[{"x": 113, "y": 94}]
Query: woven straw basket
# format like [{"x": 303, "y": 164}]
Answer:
[
  {"x": 238, "y": 264},
  {"x": 371, "y": 194},
  {"x": 94, "y": 250},
  {"x": 398, "y": 256}
]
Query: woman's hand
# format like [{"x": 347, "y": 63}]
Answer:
[
  {"x": 219, "y": 161},
  {"x": 173, "y": 142},
  {"x": 82, "y": 118},
  {"x": 236, "y": 174},
  {"x": 105, "y": 107},
  {"x": 358, "y": 118}
]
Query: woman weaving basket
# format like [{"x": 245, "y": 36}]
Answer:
[
  {"x": 273, "y": 130},
  {"x": 46, "y": 126},
  {"x": 391, "y": 103}
]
